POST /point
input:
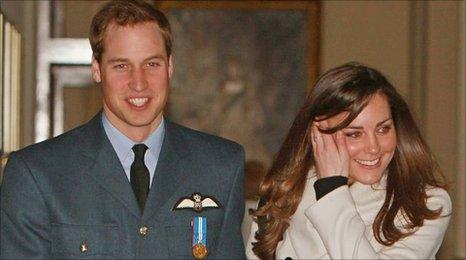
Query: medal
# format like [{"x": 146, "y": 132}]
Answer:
[
  {"x": 199, "y": 251},
  {"x": 199, "y": 244}
]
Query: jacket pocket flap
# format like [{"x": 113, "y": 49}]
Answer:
[{"x": 84, "y": 240}]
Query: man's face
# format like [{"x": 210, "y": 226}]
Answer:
[{"x": 134, "y": 71}]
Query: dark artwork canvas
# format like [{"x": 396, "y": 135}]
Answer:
[{"x": 240, "y": 74}]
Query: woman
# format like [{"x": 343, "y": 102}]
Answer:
[{"x": 353, "y": 179}]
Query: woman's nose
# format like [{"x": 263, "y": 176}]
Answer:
[{"x": 372, "y": 145}]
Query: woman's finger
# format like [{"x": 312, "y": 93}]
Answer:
[
  {"x": 341, "y": 143},
  {"x": 343, "y": 152},
  {"x": 328, "y": 140},
  {"x": 318, "y": 139},
  {"x": 313, "y": 139}
]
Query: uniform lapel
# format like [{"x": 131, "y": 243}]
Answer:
[
  {"x": 104, "y": 166},
  {"x": 169, "y": 172}
]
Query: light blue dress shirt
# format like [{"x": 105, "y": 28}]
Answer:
[{"x": 122, "y": 146}]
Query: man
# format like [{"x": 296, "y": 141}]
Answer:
[{"x": 129, "y": 183}]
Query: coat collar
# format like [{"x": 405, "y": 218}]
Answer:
[
  {"x": 368, "y": 199},
  {"x": 103, "y": 165},
  {"x": 170, "y": 172}
]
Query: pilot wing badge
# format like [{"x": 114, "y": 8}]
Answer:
[{"x": 197, "y": 202}]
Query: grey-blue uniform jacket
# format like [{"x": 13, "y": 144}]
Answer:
[{"x": 69, "y": 197}]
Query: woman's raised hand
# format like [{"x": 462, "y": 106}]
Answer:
[{"x": 330, "y": 152}]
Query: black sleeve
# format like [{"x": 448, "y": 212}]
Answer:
[{"x": 328, "y": 184}]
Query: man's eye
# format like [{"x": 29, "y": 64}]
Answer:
[
  {"x": 153, "y": 64},
  {"x": 353, "y": 134},
  {"x": 120, "y": 66}
]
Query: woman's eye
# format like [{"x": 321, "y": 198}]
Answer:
[
  {"x": 384, "y": 129},
  {"x": 353, "y": 134}
]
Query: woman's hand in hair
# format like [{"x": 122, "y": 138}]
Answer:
[{"x": 330, "y": 152}]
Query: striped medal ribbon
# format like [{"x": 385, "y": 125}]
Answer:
[{"x": 199, "y": 244}]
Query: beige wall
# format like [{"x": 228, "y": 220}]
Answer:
[
  {"x": 442, "y": 89},
  {"x": 460, "y": 193},
  {"x": 374, "y": 33},
  {"x": 461, "y": 135},
  {"x": 420, "y": 46}
]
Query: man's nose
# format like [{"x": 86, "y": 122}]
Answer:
[{"x": 138, "y": 80}]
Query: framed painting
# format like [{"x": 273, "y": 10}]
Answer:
[{"x": 242, "y": 69}]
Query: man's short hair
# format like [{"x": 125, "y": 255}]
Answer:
[{"x": 126, "y": 13}]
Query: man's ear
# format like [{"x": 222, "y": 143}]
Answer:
[
  {"x": 170, "y": 67},
  {"x": 95, "y": 70}
]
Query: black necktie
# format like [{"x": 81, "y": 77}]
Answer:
[{"x": 140, "y": 175}]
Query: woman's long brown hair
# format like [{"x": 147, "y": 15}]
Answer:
[{"x": 348, "y": 88}]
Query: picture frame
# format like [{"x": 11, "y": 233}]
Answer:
[{"x": 242, "y": 68}]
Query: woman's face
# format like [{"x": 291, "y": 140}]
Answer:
[{"x": 370, "y": 139}]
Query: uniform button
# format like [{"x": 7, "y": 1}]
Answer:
[
  {"x": 143, "y": 230},
  {"x": 83, "y": 247}
]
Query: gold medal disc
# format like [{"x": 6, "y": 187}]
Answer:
[{"x": 199, "y": 251}]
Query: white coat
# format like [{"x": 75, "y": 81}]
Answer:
[{"x": 339, "y": 226}]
